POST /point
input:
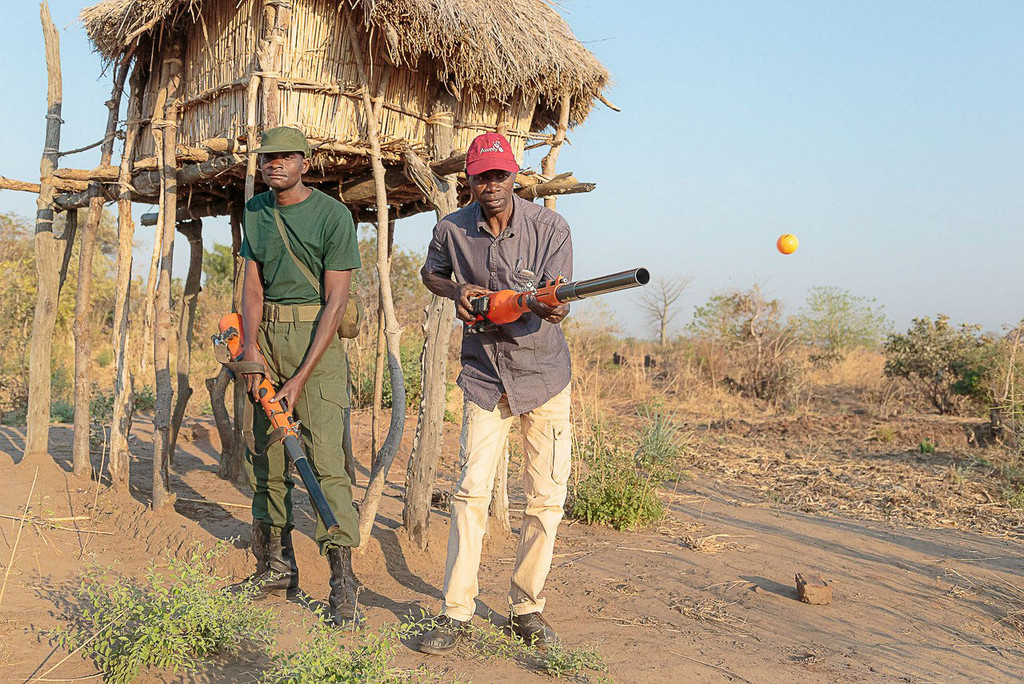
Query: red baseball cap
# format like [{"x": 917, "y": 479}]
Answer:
[{"x": 490, "y": 151}]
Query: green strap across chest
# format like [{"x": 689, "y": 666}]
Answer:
[{"x": 287, "y": 245}]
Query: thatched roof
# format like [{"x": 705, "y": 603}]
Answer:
[{"x": 495, "y": 46}]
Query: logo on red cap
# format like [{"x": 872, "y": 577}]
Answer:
[{"x": 490, "y": 151}]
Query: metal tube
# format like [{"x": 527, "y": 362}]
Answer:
[
  {"x": 603, "y": 285},
  {"x": 316, "y": 494}
]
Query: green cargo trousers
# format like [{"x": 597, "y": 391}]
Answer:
[{"x": 320, "y": 413}]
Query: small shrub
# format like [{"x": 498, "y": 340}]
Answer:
[
  {"x": 946, "y": 365},
  {"x": 1014, "y": 496},
  {"x": 560, "y": 661},
  {"x": 105, "y": 357},
  {"x": 927, "y": 446},
  {"x": 885, "y": 434},
  {"x": 621, "y": 498},
  {"x": 662, "y": 441},
  {"x": 145, "y": 398},
  {"x": 169, "y": 621},
  {"x": 101, "y": 407},
  {"x": 324, "y": 656},
  {"x": 62, "y": 412}
]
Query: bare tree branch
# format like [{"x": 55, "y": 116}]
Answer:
[{"x": 658, "y": 303}]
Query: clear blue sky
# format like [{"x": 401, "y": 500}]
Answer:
[{"x": 888, "y": 136}]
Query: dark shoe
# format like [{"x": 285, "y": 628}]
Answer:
[
  {"x": 444, "y": 636},
  {"x": 344, "y": 599},
  {"x": 276, "y": 571},
  {"x": 533, "y": 629}
]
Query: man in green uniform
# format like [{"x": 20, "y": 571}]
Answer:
[{"x": 300, "y": 249}]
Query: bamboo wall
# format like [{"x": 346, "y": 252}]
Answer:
[{"x": 318, "y": 82}]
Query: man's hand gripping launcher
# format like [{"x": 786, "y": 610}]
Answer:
[
  {"x": 228, "y": 347},
  {"x": 505, "y": 306}
]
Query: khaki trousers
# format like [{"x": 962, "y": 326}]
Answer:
[{"x": 547, "y": 437}]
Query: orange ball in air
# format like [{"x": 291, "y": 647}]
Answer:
[{"x": 787, "y": 243}]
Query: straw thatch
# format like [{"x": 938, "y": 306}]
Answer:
[{"x": 494, "y": 47}]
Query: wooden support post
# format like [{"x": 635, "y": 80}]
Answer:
[
  {"x": 124, "y": 383},
  {"x": 193, "y": 232},
  {"x": 437, "y": 329},
  {"x": 166, "y": 130},
  {"x": 277, "y": 18},
  {"x": 83, "y": 293},
  {"x": 47, "y": 253},
  {"x": 392, "y": 330},
  {"x": 232, "y": 447},
  {"x": 547, "y": 165}
]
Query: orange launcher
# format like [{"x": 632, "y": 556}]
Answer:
[{"x": 506, "y": 306}]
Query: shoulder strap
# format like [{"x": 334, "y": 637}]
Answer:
[{"x": 287, "y": 245}]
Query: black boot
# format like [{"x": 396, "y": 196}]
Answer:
[
  {"x": 344, "y": 599},
  {"x": 444, "y": 636},
  {"x": 533, "y": 629},
  {"x": 276, "y": 571}
]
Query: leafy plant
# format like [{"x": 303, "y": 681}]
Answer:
[
  {"x": 946, "y": 364},
  {"x": 145, "y": 398},
  {"x": 833, "y": 322},
  {"x": 62, "y": 411},
  {"x": 927, "y": 446},
  {"x": 329, "y": 655},
  {"x": 758, "y": 343},
  {"x": 560, "y": 661},
  {"x": 171, "y": 620},
  {"x": 662, "y": 440}
]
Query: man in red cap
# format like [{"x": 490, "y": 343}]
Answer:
[{"x": 501, "y": 241}]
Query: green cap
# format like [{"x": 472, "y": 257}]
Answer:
[{"x": 283, "y": 139}]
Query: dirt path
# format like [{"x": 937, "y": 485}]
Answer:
[{"x": 909, "y": 604}]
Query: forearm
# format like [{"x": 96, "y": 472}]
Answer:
[{"x": 442, "y": 287}]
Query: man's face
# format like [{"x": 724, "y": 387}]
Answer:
[
  {"x": 493, "y": 190},
  {"x": 283, "y": 170}
]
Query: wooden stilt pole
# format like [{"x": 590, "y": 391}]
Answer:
[
  {"x": 437, "y": 328},
  {"x": 47, "y": 253},
  {"x": 162, "y": 304},
  {"x": 193, "y": 232},
  {"x": 232, "y": 451},
  {"x": 547, "y": 164},
  {"x": 83, "y": 293},
  {"x": 124, "y": 383},
  {"x": 392, "y": 330}
]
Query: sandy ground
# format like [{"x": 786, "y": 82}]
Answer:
[{"x": 910, "y": 604}]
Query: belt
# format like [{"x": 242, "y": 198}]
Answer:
[{"x": 291, "y": 313}]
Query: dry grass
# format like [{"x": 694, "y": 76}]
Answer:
[
  {"x": 1006, "y": 598},
  {"x": 497, "y": 49},
  {"x": 826, "y": 476},
  {"x": 712, "y": 610},
  {"x": 712, "y": 543}
]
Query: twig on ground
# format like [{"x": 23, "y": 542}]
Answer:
[
  {"x": 716, "y": 667},
  {"x": 44, "y": 522}
]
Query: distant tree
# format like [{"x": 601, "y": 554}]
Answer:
[
  {"x": 948, "y": 365},
  {"x": 218, "y": 269},
  {"x": 658, "y": 303},
  {"x": 834, "y": 322},
  {"x": 750, "y": 328}
]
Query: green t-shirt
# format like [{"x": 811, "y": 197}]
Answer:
[{"x": 321, "y": 233}]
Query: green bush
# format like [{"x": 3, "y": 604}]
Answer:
[
  {"x": 833, "y": 322},
  {"x": 946, "y": 365},
  {"x": 101, "y": 407},
  {"x": 619, "y": 497},
  {"x": 662, "y": 441},
  {"x": 561, "y": 662},
  {"x": 145, "y": 398},
  {"x": 170, "y": 621},
  {"x": 62, "y": 412},
  {"x": 326, "y": 655}
]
